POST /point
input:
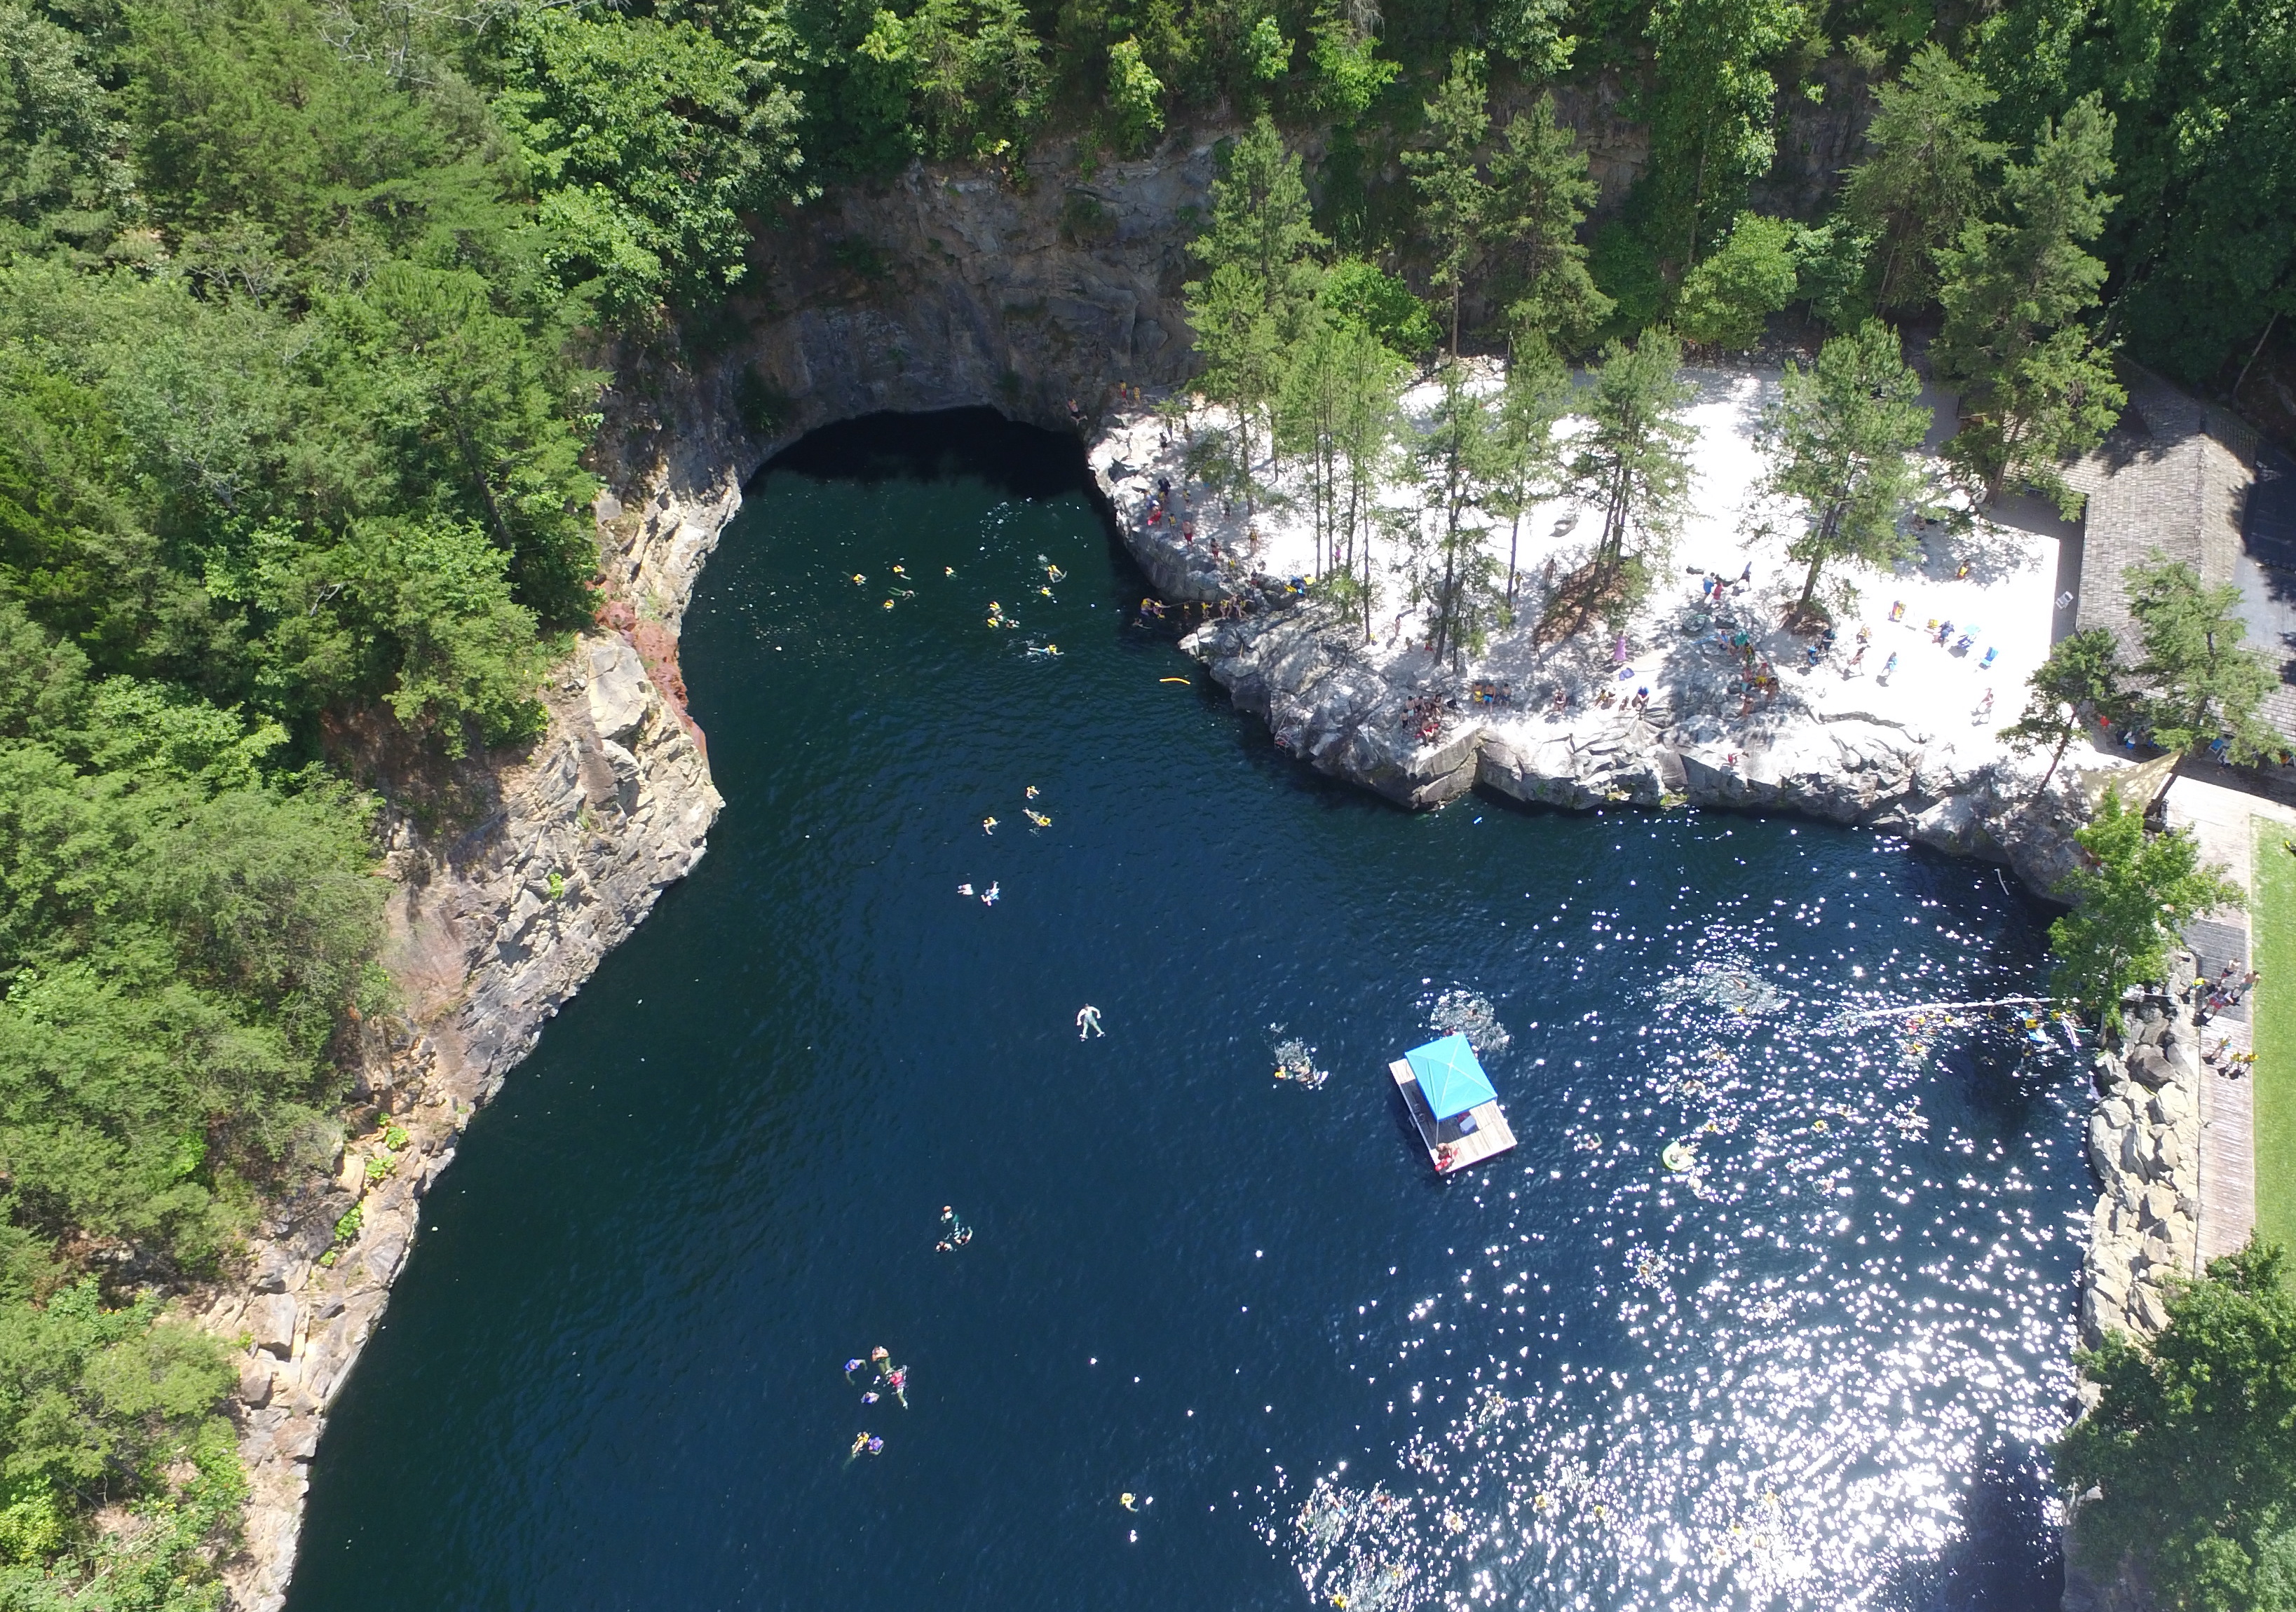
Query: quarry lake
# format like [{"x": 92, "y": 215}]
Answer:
[{"x": 1814, "y": 1371}]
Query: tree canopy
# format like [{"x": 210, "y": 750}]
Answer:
[{"x": 2188, "y": 1462}]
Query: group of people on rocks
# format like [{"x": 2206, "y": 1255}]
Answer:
[{"x": 1426, "y": 713}]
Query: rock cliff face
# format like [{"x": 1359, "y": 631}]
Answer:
[{"x": 490, "y": 930}]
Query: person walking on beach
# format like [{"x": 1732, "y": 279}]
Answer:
[{"x": 1087, "y": 1020}]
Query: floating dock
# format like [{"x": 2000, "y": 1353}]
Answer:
[{"x": 1474, "y": 1128}]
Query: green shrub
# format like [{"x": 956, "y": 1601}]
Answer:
[{"x": 1726, "y": 299}]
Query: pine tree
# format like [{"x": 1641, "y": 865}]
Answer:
[
  {"x": 1634, "y": 458},
  {"x": 2079, "y": 682},
  {"x": 1455, "y": 464},
  {"x": 1258, "y": 247},
  {"x": 2036, "y": 388},
  {"x": 1540, "y": 192},
  {"x": 1842, "y": 438},
  {"x": 1370, "y": 416},
  {"x": 1260, "y": 221},
  {"x": 1453, "y": 194},
  {"x": 2204, "y": 685},
  {"x": 1526, "y": 458},
  {"x": 1926, "y": 176}
]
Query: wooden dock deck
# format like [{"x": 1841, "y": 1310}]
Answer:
[{"x": 1451, "y": 1145}]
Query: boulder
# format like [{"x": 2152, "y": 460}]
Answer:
[
  {"x": 255, "y": 1382},
  {"x": 271, "y": 1318},
  {"x": 620, "y": 690},
  {"x": 2149, "y": 1069}
]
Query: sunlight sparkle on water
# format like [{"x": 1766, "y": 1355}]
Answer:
[{"x": 1823, "y": 1351}]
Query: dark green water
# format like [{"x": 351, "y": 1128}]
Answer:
[{"x": 611, "y": 1374}]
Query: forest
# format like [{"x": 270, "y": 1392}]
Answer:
[{"x": 309, "y": 312}]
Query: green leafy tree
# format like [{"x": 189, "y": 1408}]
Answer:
[
  {"x": 2079, "y": 682},
  {"x": 1135, "y": 98},
  {"x": 2037, "y": 389},
  {"x": 1927, "y": 173},
  {"x": 1454, "y": 196},
  {"x": 973, "y": 69},
  {"x": 1540, "y": 193},
  {"x": 2205, "y": 94},
  {"x": 1711, "y": 109},
  {"x": 648, "y": 142},
  {"x": 1842, "y": 438},
  {"x": 1266, "y": 52},
  {"x": 1531, "y": 33},
  {"x": 1359, "y": 293},
  {"x": 62, "y": 182},
  {"x": 1308, "y": 419},
  {"x": 2131, "y": 903},
  {"x": 2204, "y": 685},
  {"x": 2186, "y": 1465},
  {"x": 1349, "y": 74},
  {"x": 1725, "y": 299},
  {"x": 1633, "y": 459}
]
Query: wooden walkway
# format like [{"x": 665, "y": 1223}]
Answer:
[{"x": 1453, "y": 1145}]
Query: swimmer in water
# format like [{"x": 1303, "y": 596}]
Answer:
[
  {"x": 900, "y": 570},
  {"x": 964, "y": 889},
  {"x": 1031, "y": 791},
  {"x": 989, "y": 897},
  {"x": 870, "y": 1398},
  {"x": 876, "y": 1446},
  {"x": 1039, "y": 819},
  {"x": 851, "y": 1366},
  {"x": 860, "y": 1443},
  {"x": 954, "y": 1233},
  {"x": 858, "y": 580},
  {"x": 1087, "y": 1020},
  {"x": 989, "y": 825},
  {"x": 1125, "y": 1500}
]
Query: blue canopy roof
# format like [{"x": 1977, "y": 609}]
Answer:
[{"x": 1449, "y": 1076}]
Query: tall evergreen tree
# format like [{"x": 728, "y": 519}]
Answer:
[
  {"x": 1842, "y": 438},
  {"x": 1453, "y": 194},
  {"x": 1540, "y": 193},
  {"x": 1927, "y": 173},
  {"x": 1455, "y": 466},
  {"x": 1370, "y": 417},
  {"x": 1526, "y": 457},
  {"x": 2079, "y": 682},
  {"x": 2205, "y": 686},
  {"x": 1260, "y": 222},
  {"x": 1634, "y": 457},
  {"x": 2036, "y": 388}
]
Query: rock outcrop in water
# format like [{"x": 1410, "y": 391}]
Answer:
[{"x": 1296, "y": 670}]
